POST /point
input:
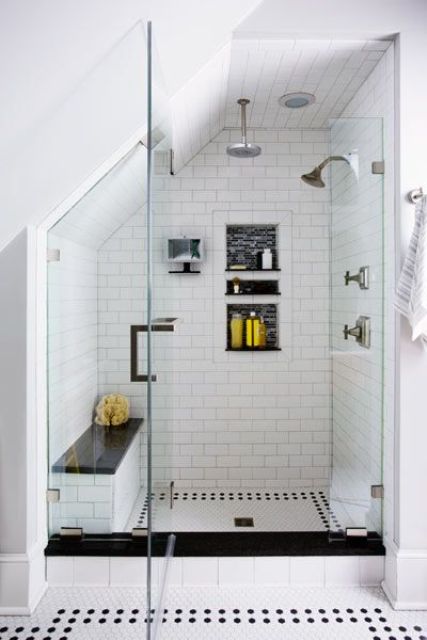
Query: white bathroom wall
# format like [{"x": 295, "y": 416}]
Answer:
[
  {"x": 72, "y": 342},
  {"x": 375, "y": 98},
  {"x": 236, "y": 418}
]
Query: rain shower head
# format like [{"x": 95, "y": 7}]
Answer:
[
  {"x": 314, "y": 178},
  {"x": 243, "y": 149}
]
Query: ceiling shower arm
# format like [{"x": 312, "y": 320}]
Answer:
[{"x": 243, "y": 102}]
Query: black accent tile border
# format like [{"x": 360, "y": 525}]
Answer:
[{"x": 235, "y": 543}]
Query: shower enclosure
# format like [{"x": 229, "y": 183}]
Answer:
[{"x": 287, "y": 439}]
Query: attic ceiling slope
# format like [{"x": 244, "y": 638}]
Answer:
[
  {"x": 70, "y": 39},
  {"x": 265, "y": 69},
  {"x": 198, "y": 109}
]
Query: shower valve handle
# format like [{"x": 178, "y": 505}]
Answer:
[
  {"x": 362, "y": 331},
  {"x": 354, "y": 331},
  {"x": 361, "y": 277}
]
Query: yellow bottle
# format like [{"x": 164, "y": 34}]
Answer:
[
  {"x": 236, "y": 327},
  {"x": 252, "y": 331},
  {"x": 262, "y": 333}
]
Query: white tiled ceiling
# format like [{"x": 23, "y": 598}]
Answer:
[
  {"x": 263, "y": 70},
  {"x": 198, "y": 109}
]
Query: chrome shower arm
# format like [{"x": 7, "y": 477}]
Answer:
[
  {"x": 328, "y": 160},
  {"x": 243, "y": 102}
]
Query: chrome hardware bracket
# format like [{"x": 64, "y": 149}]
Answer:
[
  {"x": 356, "y": 532},
  {"x": 377, "y": 491},
  {"x": 171, "y": 162},
  {"x": 71, "y": 532},
  {"x": 362, "y": 331},
  {"x": 171, "y": 492},
  {"x": 139, "y": 532},
  {"x": 53, "y": 255},
  {"x": 362, "y": 278},
  {"x": 377, "y": 167},
  {"x": 53, "y": 495}
]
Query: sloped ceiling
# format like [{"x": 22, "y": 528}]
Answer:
[
  {"x": 108, "y": 205},
  {"x": 263, "y": 70},
  {"x": 70, "y": 99},
  {"x": 198, "y": 109}
]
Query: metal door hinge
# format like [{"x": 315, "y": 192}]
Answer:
[
  {"x": 139, "y": 532},
  {"x": 53, "y": 495},
  {"x": 171, "y": 492},
  {"x": 71, "y": 532},
  {"x": 53, "y": 255},
  {"x": 378, "y": 167},
  {"x": 377, "y": 491},
  {"x": 356, "y": 532},
  {"x": 171, "y": 162}
]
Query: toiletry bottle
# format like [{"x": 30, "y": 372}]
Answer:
[
  {"x": 262, "y": 333},
  {"x": 236, "y": 285},
  {"x": 267, "y": 259},
  {"x": 236, "y": 328},
  {"x": 252, "y": 331}
]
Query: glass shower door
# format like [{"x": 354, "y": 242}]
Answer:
[
  {"x": 357, "y": 318},
  {"x": 160, "y": 336}
]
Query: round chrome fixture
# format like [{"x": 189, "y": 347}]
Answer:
[
  {"x": 296, "y": 100},
  {"x": 243, "y": 149}
]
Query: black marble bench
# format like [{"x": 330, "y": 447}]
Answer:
[{"x": 99, "y": 450}]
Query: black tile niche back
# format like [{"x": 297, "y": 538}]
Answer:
[{"x": 245, "y": 241}]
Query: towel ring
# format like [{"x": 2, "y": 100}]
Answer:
[{"x": 415, "y": 195}]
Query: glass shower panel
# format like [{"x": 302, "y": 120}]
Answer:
[
  {"x": 94, "y": 466},
  {"x": 357, "y": 325},
  {"x": 163, "y": 326}
]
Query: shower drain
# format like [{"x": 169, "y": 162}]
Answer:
[{"x": 243, "y": 522}]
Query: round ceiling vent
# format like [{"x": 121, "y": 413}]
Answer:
[{"x": 296, "y": 100}]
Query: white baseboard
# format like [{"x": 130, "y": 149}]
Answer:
[
  {"x": 405, "y": 583},
  {"x": 22, "y": 581}
]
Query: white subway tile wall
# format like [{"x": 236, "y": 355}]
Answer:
[
  {"x": 239, "y": 419},
  {"x": 100, "y": 503}
]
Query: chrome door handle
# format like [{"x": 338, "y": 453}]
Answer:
[{"x": 135, "y": 376}]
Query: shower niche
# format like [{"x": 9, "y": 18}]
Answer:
[
  {"x": 268, "y": 312},
  {"x": 245, "y": 244}
]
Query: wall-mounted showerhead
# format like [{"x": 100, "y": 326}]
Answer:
[
  {"x": 314, "y": 178},
  {"x": 243, "y": 149}
]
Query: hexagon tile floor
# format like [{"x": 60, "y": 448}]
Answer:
[{"x": 211, "y": 613}]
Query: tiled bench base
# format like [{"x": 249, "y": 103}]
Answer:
[{"x": 294, "y": 571}]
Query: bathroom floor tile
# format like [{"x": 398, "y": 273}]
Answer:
[
  {"x": 216, "y": 510},
  {"x": 259, "y": 612}
]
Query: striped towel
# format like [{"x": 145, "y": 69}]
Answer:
[{"x": 411, "y": 292}]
